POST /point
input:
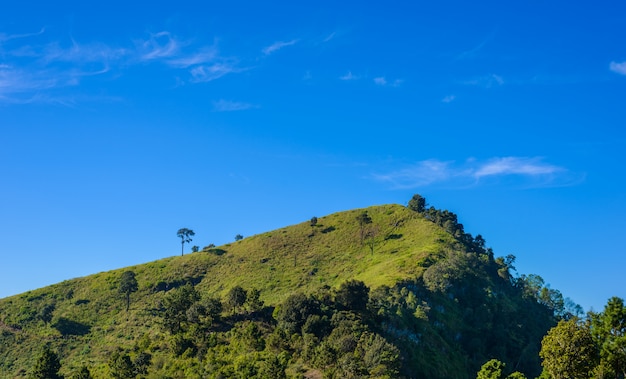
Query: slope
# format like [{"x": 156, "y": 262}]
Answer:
[{"x": 88, "y": 314}]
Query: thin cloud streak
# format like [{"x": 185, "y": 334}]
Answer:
[
  {"x": 278, "y": 45},
  {"x": 231, "y": 106},
  {"x": 515, "y": 166},
  {"x": 532, "y": 171},
  {"x": 487, "y": 81}
]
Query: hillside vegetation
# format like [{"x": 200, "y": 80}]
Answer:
[{"x": 383, "y": 292}]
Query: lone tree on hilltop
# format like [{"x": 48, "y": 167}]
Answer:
[
  {"x": 417, "y": 203},
  {"x": 185, "y": 236},
  {"x": 128, "y": 285}
]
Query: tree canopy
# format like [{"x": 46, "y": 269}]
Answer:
[
  {"x": 128, "y": 285},
  {"x": 185, "y": 237}
]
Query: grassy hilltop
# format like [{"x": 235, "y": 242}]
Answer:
[{"x": 439, "y": 304}]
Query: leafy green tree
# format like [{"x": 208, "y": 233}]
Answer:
[
  {"x": 516, "y": 375},
  {"x": 609, "y": 330},
  {"x": 236, "y": 297},
  {"x": 491, "y": 370},
  {"x": 213, "y": 307},
  {"x": 417, "y": 203},
  {"x": 47, "y": 365},
  {"x": 353, "y": 295},
  {"x": 253, "y": 300},
  {"x": 294, "y": 311},
  {"x": 378, "y": 357},
  {"x": 238, "y": 237},
  {"x": 195, "y": 248},
  {"x": 128, "y": 285},
  {"x": 272, "y": 368},
  {"x": 313, "y": 221},
  {"x": 142, "y": 362},
  {"x": 176, "y": 304},
  {"x": 568, "y": 351},
  {"x": 120, "y": 365},
  {"x": 185, "y": 237},
  {"x": 83, "y": 373}
]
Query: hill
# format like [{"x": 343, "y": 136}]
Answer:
[{"x": 329, "y": 296}]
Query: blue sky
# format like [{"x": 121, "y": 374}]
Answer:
[{"x": 120, "y": 124}]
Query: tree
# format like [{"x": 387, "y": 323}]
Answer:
[
  {"x": 83, "y": 373},
  {"x": 238, "y": 237},
  {"x": 609, "y": 330},
  {"x": 121, "y": 366},
  {"x": 185, "y": 237},
  {"x": 491, "y": 370},
  {"x": 47, "y": 365},
  {"x": 176, "y": 305},
  {"x": 417, "y": 203},
  {"x": 294, "y": 311},
  {"x": 363, "y": 219},
  {"x": 128, "y": 285},
  {"x": 253, "y": 300},
  {"x": 195, "y": 248},
  {"x": 236, "y": 297},
  {"x": 313, "y": 221},
  {"x": 353, "y": 295},
  {"x": 568, "y": 351}
]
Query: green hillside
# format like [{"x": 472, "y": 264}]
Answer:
[{"x": 437, "y": 299}]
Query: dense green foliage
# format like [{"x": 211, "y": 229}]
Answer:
[
  {"x": 591, "y": 348},
  {"x": 382, "y": 292}
]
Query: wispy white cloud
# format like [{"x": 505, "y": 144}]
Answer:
[
  {"x": 7, "y": 37},
  {"x": 52, "y": 65},
  {"x": 532, "y": 172},
  {"x": 487, "y": 81},
  {"x": 160, "y": 45},
  {"x": 448, "y": 99},
  {"x": 382, "y": 81},
  {"x": 329, "y": 37},
  {"x": 514, "y": 166},
  {"x": 619, "y": 68},
  {"x": 278, "y": 45},
  {"x": 471, "y": 53},
  {"x": 210, "y": 72},
  {"x": 202, "y": 56},
  {"x": 349, "y": 76},
  {"x": 231, "y": 106},
  {"x": 419, "y": 174}
]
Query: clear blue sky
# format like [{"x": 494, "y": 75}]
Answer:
[{"x": 120, "y": 124}]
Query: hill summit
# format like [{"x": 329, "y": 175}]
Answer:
[{"x": 381, "y": 292}]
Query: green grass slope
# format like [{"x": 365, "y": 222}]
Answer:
[{"x": 85, "y": 319}]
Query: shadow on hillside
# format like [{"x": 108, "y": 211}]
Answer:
[
  {"x": 166, "y": 286},
  {"x": 69, "y": 327}
]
